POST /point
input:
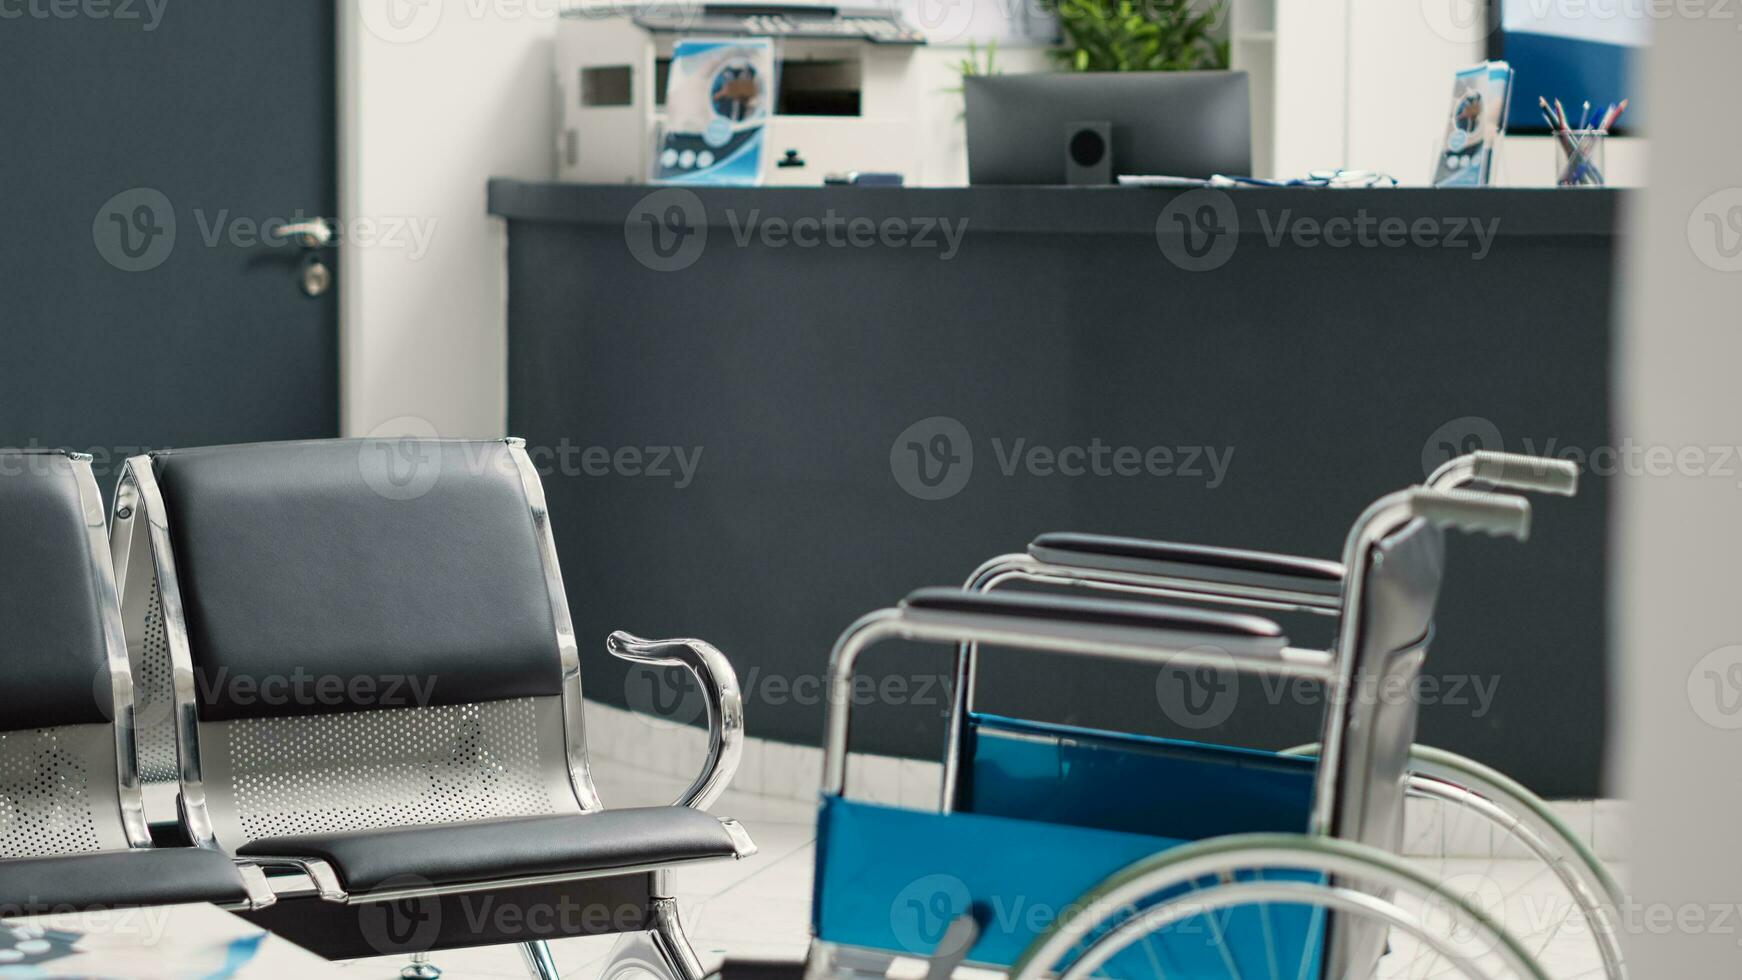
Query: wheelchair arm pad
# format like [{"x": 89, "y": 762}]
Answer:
[
  {"x": 725, "y": 705},
  {"x": 1164, "y": 626},
  {"x": 1193, "y": 562}
]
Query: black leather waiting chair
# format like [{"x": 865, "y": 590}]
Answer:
[
  {"x": 72, "y": 826},
  {"x": 377, "y": 696}
]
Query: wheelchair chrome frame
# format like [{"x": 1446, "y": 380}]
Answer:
[
  {"x": 1334, "y": 668},
  {"x": 138, "y": 491},
  {"x": 1220, "y": 859},
  {"x": 928, "y": 626},
  {"x": 1439, "y": 774},
  {"x": 1500, "y": 470},
  {"x": 1381, "y": 519},
  {"x": 1022, "y": 567}
]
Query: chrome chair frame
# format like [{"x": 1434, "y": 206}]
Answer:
[
  {"x": 129, "y": 788},
  {"x": 1494, "y": 514},
  {"x": 141, "y": 522},
  {"x": 128, "y": 793}
]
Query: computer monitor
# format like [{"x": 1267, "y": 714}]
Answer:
[{"x": 1173, "y": 123}]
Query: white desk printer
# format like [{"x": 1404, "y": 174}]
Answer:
[{"x": 848, "y": 89}]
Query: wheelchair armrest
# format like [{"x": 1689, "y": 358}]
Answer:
[
  {"x": 1130, "y": 631},
  {"x": 1191, "y": 562},
  {"x": 1163, "y": 628},
  {"x": 725, "y": 706}
]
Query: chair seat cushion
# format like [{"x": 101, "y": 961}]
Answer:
[
  {"x": 491, "y": 850},
  {"x": 117, "y": 879}
]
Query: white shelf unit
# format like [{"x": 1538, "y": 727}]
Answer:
[{"x": 1295, "y": 52}]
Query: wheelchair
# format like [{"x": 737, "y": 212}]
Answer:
[
  {"x": 1079, "y": 852},
  {"x": 1484, "y": 799}
]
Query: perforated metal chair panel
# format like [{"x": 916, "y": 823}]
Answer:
[
  {"x": 54, "y": 796},
  {"x": 153, "y": 694},
  {"x": 398, "y": 767}
]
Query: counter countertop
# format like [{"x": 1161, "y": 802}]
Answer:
[{"x": 1535, "y": 212}]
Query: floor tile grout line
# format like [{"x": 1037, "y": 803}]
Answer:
[{"x": 752, "y": 876}]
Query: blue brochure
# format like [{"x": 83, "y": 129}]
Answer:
[
  {"x": 718, "y": 99},
  {"x": 1479, "y": 100}
]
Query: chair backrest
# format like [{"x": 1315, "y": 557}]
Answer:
[
  {"x": 361, "y": 633},
  {"x": 67, "y": 777}
]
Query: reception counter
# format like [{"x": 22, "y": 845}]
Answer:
[{"x": 763, "y": 412}]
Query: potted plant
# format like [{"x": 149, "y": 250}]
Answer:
[{"x": 1138, "y": 35}]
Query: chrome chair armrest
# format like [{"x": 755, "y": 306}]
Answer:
[
  {"x": 725, "y": 705},
  {"x": 260, "y": 893}
]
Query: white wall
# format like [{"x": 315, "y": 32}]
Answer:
[
  {"x": 944, "y": 157},
  {"x": 434, "y": 104},
  {"x": 435, "y": 100},
  {"x": 1402, "y": 56},
  {"x": 1678, "y": 561}
]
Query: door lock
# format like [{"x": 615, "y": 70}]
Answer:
[
  {"x": 313, "y": 275},
  {"x": 317, "y": 277}
]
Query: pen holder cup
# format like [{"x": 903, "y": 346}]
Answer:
[{"x": 1579, "y": 158}]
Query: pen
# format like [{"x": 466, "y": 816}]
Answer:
[{"x": 1554, "y": 125}]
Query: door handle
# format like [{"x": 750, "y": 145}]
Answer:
[
  {"x": 313, "y": 275},
  {"x": 313, "y": 233}
]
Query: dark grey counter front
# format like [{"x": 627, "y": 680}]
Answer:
[{"x": 1251, "y": 375}]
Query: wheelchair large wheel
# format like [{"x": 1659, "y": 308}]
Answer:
[
  {"x": 1417, "y": 924},
  {"x": 1576, "y": 924}
]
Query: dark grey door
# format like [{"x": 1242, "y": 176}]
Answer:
[{"x": 150, "y": 153}]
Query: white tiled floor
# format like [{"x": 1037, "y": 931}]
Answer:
[{"x": 760, "y": 907}]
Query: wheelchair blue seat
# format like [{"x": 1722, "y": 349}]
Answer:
[{"x": 1045, "y": 812}]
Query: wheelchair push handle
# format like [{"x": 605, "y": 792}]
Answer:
[
  {"x": 1499, "y": 515},
  {"x": 1537, "y": 474},
  {"x": 1508, "y": 471}
]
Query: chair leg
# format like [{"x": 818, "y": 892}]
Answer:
[
  {"x": 671, "y": 941},
  {"x": 421, "y": 968},
  {"x": 662, "y": 950},
  {"x": 539, "y": 963}
]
